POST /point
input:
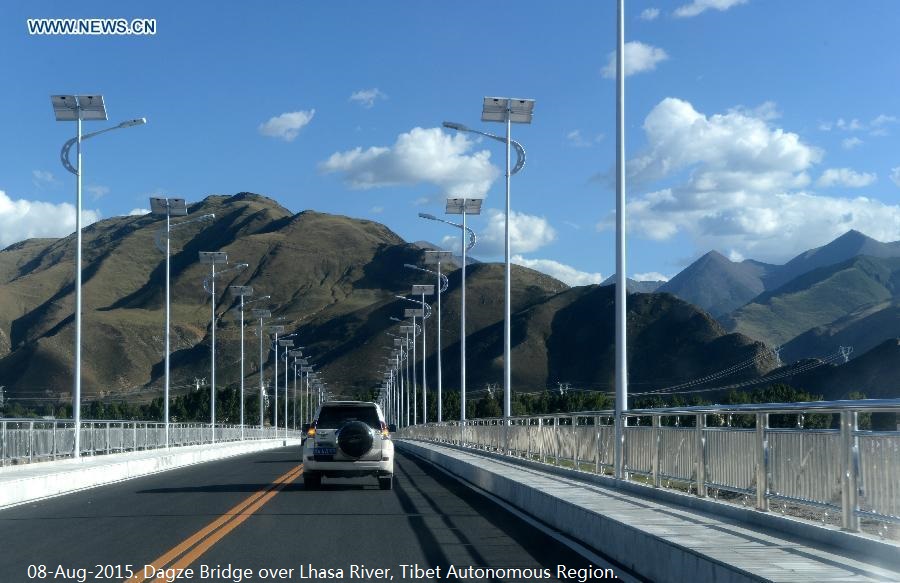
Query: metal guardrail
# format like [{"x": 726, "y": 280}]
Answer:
[
  {"x": 34, "y": 440},
  {"x": 843, "y": 469}
]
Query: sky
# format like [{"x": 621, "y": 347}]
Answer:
[{"x": 758, "y": 128}]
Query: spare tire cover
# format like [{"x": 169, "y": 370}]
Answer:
[{"x": 355, "y": 439}]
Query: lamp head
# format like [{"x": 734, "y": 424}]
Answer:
[
  {"x": 133, "y": 122},
  {"x": 428, "y": 216},
  {"x": 455, "y": 126}
]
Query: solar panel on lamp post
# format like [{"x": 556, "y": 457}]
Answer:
[
  {"x": 413, "y": 314},
  {"x": 424, "y": 290},
  {"x": 284, "y": 344},
  {"x": 213, "y": 258},
  {"x": 79, "y": 108},
  {"x": 465, "y": 207},
  {"x": 433, "y": 257},
  {"x": 168, "y": 207},
  {"x": 507, "y": 110},
  {"x": 296, "y": 354},
  {"x": 262, "y": 315},
  {"x": 240, "y": 290}
]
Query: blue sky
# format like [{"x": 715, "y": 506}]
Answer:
[{"x": 758, "y": 128}]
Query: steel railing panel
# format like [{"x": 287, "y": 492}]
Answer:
[
  {"x": 731, "y": 459},
  {"x": 879, "y": 470},
  {"x": 805, "y": 465}
]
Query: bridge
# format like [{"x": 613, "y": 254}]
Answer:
[{"x": 776, "y": 492}]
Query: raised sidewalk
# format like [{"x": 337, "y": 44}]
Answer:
[
  {"x": 29, "y": 482},
  {"x": 664, "y": 538}
]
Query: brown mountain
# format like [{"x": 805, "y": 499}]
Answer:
[{"x": 334, "y": 279}]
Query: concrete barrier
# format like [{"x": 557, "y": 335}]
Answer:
[{"x": 27, "y": 483}]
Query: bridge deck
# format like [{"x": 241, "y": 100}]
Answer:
[{"x": 659, "y": 540}]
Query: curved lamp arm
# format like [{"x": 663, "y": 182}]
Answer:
[
  {"x": 520, "y": 150},
  {"x": 445, "y": 283},
  {"x": 64, "y": 153},
  {"x": 424, "y": 305},
  {"x": 472, "y": 237},
  {"x": 207, "y": 279},
  {"x": 160, "y": 236}
]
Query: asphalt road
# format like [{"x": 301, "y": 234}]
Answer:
[{"x": 252, "y": 513}]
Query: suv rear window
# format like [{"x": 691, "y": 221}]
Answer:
[{"x": 334, "y": 417}]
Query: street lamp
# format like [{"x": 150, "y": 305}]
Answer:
[
  {"x": 464, "y": 207},
  {"x": 80, "y": 108},
  {"x": 243, "y": 291},
  {"x": 423, "y": 313},
  {"x": 621, "y": 285},
  {"x": 213, "y": 258},
  {"x": 262, "y": 315},
  {"x": 435, "y": 258},
  {"x": 509, "y": 111},
  {"x": 169, "y": 207},
  {"x": 297, "y": 353},
  {"x": 284, "y": 343}
]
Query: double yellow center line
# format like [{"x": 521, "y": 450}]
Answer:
[{"x": 189, "y": 550}]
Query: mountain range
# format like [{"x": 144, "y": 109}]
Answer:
[{"x": 334, "y": 280}]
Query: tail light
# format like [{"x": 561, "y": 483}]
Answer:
[
  {"x": 311, "y": 432},
  {"x": 385, "y": 434}
]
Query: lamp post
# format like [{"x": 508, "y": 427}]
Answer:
[
  {"x": 464, "y": 207},
  {"x": 284, "y": 344},
  {"x": 296, "y": 354},
  {"x": 407, "y": 330},
  {"x": 213, "y": 258},
  {"x": 621, "y": 290},
  {"x": 79, "y": 108},
  {"x": 508, "y": 111},
  {"x": 242, "y": 291},
  {"x": 423, "y": 313},
  {"x": 262, "y": 315},
  {"x": 169, "y": 207},
  {"x": 424, "y": 290},
  {"x": 276, "y": 330},
  {"x": 435, "y": 258}
]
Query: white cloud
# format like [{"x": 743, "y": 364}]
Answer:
[
  {"x": 377, "y": 210},
  {"x": 895, "y": 175},
  {"x": 367, "y": 97},
  {"x": 877, "y": 127},
  {"x": 850, "y": 143},
  {"x": 420, "y": 155},
  {"x": 24, "y": 219},
  {"x": 564, "y": 273},
  {"x": 845, "y": 177},
  {"x": 766, "y": 111},
  {"x": 576, "y": 139},
  {"x": 97, "y": 191},
  {"x": 736, "y": 183},
  {"x": 638, "y": 58},
  {"x": 527, "y": 233},
  {"x": 649, "y": 276},
  {"x": 41, "y": 178},
  {"x": 649, "y": 14},
  {"x": 421, "y": 201},
  {"x": 138, "y": 212},
  {"x": 700, "y": 6},
  {"x": 287, "y": 125}
]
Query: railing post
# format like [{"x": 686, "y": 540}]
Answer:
[
  {"x": 53, "y": 446},
  {"x": 3, "y": 446},
  {"x": 701, "y": 454},
  {"x": 654, "y": 456},
  {"x": 575, "y": 441},
  {"x": 107, "y": 436},
  {"x": 556, "y": 439},
  {"x": 762, "y": 462},
  {"x": 30, "y": 441},
  {"x": 543, "y": 453},
  {"x": 599, "y": 443},
  {"x": 849, "y": 472}
]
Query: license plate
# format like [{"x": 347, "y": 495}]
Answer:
[{"x": 324, "y": 451}]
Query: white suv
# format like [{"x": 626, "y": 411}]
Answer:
[{"x": 347, "y": 439}]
